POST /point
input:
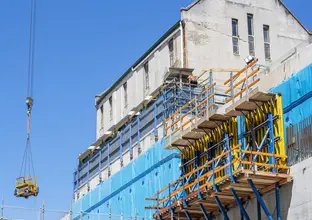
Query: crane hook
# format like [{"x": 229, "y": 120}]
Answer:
[{"x": 29, "y": 103}]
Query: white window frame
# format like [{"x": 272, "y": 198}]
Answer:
[
  {"x": 171, "y": 51},
  {"x": 125, "y": 90},
  {"x": 235, "y": 38},
  {"x": 102, "y": 116},
  {"x": 146, "y": 78},
  {"x": 267, "y": 43},
  {"x": 251, "y": 37},
  {"x": 110, "y": 102}
]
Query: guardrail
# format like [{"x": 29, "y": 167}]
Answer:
[
  {"x": 213, "y": 171},
  {"x": 202, "y": 104}
]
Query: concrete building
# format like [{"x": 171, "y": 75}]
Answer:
[{"x": 210, "y": 34}]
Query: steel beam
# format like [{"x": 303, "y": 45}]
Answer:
[
  {"x": 222, "y": 209},
  {"x": 189, "y": 217},
  {"x": 202, "y": 208},
  {"x": 239, "y": 202},
  {"x": 259, "y": 199},
  {"x": 120, "y": 149},
  {"x": 271, "y": 146}
]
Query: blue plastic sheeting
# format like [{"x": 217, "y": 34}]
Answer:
[
  {"x": 297, "y": 96},
  {"x": 125, "y": 192}
]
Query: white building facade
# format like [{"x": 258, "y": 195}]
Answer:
[{"x": 210, "y": 34}]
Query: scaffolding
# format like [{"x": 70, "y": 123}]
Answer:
[
  {"x": 229, "y": 154},
  {"x": 178, "y": 90}
]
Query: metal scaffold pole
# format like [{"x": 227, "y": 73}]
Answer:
[
  {"x": 2, "y": 208},
  {"x": 42, "y": 211}
]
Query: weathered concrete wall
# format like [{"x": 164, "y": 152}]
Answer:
[
  {"x": 291, "y": 62},
  {"x": 208, "y": 27},
  {"x": 158, "y": 62}
]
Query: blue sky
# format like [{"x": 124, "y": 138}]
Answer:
[{"x": 82, "y": 47}]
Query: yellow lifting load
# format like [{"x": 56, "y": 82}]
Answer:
[
  {"x": 26, "y": 184},
  {"x": 26, "y": 187}
]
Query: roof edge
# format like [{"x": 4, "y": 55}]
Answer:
[
  {"x": 280, "y": 1},
  {"x": 290, "y": 12},
  {"x": 190, "y": 6},
  {"x": 99, "y": 97}
]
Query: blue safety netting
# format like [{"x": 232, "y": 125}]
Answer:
[
  {"x": 297, "y": 96},
  {"x": 125, "y": 191}
]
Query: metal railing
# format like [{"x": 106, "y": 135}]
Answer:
[
  {"x": 239, "y": 87},
  {"x": 198, "y": 107},
  {"x": 214, "y": 171},
  {"x": 8, "y": 212}
]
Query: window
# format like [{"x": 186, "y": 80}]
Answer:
[
  {"x": 251, "y": 38},
  {"x": 266, "y": 36},
  {"x": 235, "y": 36},
  {"x": 125, "y": 89},
  {"x": 146, "y": 79},
  {"x": 110, "y": 108},
  {"x": 102, "y": 116},
  {"x": 171, "y": 53}
]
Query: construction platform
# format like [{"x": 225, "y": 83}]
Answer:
[
  {"x": 213, "y": 200},
  {"x": 199, "y": 127},
  {"x": 228, "y": 154}
]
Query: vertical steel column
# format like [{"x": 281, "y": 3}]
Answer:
[
  {"x": 78, "y": 177},
  {"x": 258, "y": 210},
  {"x": 108, "y": 159},
  {"x": 213, "y": 176},
  {"x": 183, "y": 181},
  {"x": 260, "y": 200},
  {"x": 155, "y": 122},
  {"x": 271, "y": 147},
  {"x": 100, "y": 165},
  {"x": 241, "y": 206},
  {"x": 207, "y": 102},
  {"x": 139, "y": 141},
  {"x": 88, "y": 174},
  {"x": 2, "y": 208},
  {"x": 278, "y": 203},
  {"x": 229, "y": 157},
  {"x": 239, "y": 135},
  {"x": 222, "y": 209},
  {"x": 120, "y": 149},
  {"x": 197, "y": 163},
  {"x": 42, "y": 211},
  {"x": 241, "y": 132},
  {"x": 130, "y": 141},
  {"x": 212, "y": 89},
  {"x": 74, "y": 188},
  {"x": 232, "y": 89},
  {"x": 170, "y": 204}
]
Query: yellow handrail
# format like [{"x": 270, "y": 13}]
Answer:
[
  {"x": 242, "y": 80},
  {"x": 189, "y": 102},
  {"x": 241, "y": 71}
]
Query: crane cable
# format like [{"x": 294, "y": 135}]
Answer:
[{"x": 27, "y": 168}]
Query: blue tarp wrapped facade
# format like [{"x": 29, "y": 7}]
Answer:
[
  {"x": 125, "y": 192},
  {"x": 297, "y": 96}
]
